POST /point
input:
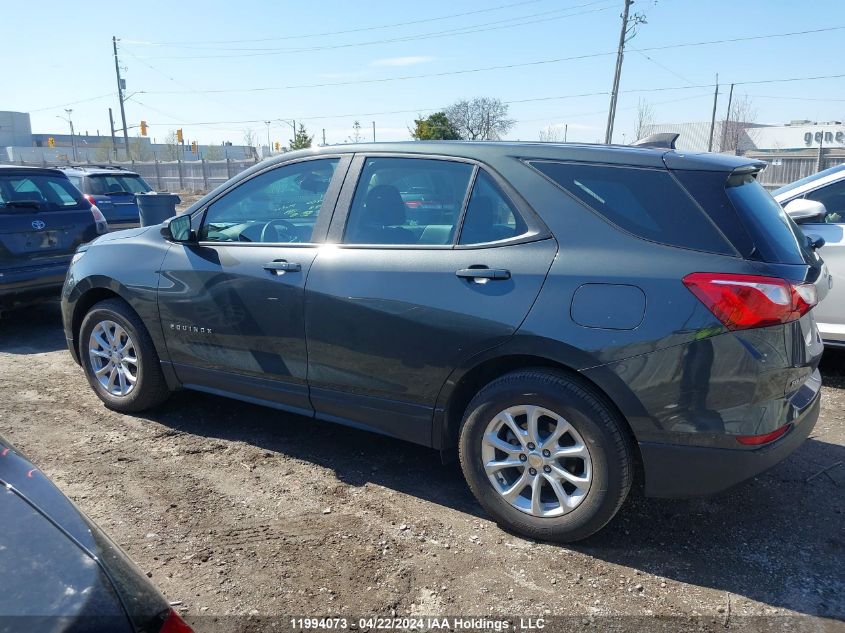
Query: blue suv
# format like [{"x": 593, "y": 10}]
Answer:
[{"x": 112, "y": 189}]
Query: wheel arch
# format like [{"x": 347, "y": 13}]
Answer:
[{"x": 464, "y": 383}]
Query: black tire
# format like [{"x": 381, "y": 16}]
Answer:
[
  {"x": 150, "y": 388},
  {"x": 589, "y": 413}
]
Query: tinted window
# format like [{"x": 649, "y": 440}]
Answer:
[
  {"x": 40, "y": 192},
  {"x": 407, "y": 201},
  {"x": 490, "y": 216},
  {"x": 107, "y": 183},
  {"x": 278, "y": 206},
  {"x": 646, "y": 202},
  {"x": 775, "y": 234},
  {"x": 833, "y": 199}
]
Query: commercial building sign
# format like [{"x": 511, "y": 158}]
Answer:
[{"x": 824, "y": 137}]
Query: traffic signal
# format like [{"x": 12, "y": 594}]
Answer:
[
  {"x": 277, "y": 146},
  {"x": 194, "y": 147},
  {"x": 51, "y": 142},
  {"x": 143, "y": 128},
  {"x": 179, "y": 138}
]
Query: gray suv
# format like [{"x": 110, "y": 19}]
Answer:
[{"x": 560, "y": 315}]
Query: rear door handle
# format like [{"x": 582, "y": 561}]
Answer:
[
  {"x": 280, "y": 266},
  {"x": 483, "y": 273}
]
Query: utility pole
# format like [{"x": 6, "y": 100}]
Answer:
[
  {"x": 269, "y": 147},
  {"x": 614, "y": 93},
  {"x": 324, "y": 137},
  {"x": 120, "y": 87},
  {"x": 113, "y": 141},
  {"x": 565, "y": 132},
  {"x": 72, "y": 135},
  {"x": 374, "y": 131},
  {"x": 727, "y": 121},
  {"x": 713, "y": 116}
]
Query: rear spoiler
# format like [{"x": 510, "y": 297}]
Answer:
[{"x": 662, "y": 140}]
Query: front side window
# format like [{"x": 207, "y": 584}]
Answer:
[
  {"x": 407, "y": 201},
  {"x": 278, "y": 206},
  {"x": 490, "y": 217},
  {"x": 833, "y": 199}
]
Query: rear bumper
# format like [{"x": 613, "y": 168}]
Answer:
[
  {"x": 19, "y": 287},
  {"x": 689, "y": 471}
]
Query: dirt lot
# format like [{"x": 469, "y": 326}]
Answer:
[{"x": 238, "y": 510}]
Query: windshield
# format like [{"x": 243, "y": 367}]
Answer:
[
  {"x": 808, "y": 179},
  {"x": 121, "y": 183},
  {"x": 39, "y": 192}
]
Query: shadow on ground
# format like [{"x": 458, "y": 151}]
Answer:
[
  {"x": 777, "y": 539},
  {"x": 32, "y": 330}
]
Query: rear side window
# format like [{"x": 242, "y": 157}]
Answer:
[
  {"x": 39, "y": 192},
  {"x": 117, "y": 184},
  {"x": 490, "y": 217},
  {"x": 648, "y": 203}
]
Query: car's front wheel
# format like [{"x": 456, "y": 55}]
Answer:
[
  {"x": 119, "y": 358},
  {"x": 546, "y": 455}
]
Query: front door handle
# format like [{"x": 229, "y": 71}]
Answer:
[
  {"x": 475, "y": 274},
  {"x": 281, "y": 266}
]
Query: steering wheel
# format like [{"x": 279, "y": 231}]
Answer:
[{"x": 290, "y": 229}]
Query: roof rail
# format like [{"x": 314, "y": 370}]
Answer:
[
  {"x": 93, "y": 166},
  {"x": 661, "y": 140}
]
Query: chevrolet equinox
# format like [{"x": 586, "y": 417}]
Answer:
[{"x": 557, "y": 315}]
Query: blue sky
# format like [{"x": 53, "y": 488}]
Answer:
[{"x": 172, "y": 51}]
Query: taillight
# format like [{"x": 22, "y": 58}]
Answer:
[
  {"x": 175, "y": 624},
  {"x": 99, "y": 220},
  {"x": 757, "y": 440},
  {"x": 741, "y": 302}
]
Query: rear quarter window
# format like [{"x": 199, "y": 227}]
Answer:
[{"x": 648, "y": 203}]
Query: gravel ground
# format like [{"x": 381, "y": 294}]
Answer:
[{"x": 236, "y": 510}]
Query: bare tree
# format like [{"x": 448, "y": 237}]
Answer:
[
  {"x": 551, "y": 134},
  {"x": 645, "y": 118},
  {"x": 482, "y": 118},
  {"x": 356, "y": 136},
  {"x": 737, "y": 127},
  {"x": 249, "y": 141},
  {"x": 171, "y": 146}
]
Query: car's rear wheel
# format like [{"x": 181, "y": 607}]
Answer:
[
  {"x": 546, "y": 455},
  {"x": 119, "y": 358}
]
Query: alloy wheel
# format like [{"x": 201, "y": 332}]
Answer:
[
  {"x": 113, "y": 358},
  {"x": 536, "y": 460}
]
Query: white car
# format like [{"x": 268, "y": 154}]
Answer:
[{"x": 817, "y": 204}]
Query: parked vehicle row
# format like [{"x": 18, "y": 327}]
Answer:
[
  {"x": 817, "y": 204},
  {"x": 46, "y": 214},
  {"x": 552, "y": 314}
]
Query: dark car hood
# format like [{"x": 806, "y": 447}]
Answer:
[
  {"x": 48, "y": 544},
  {"x": 121, "y": 235}
]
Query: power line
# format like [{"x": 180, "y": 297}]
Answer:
[
  {"x": 480, "y": 28},
  {"x": 491, "y": 68},
  {"x": 186, "y": 44},
  {"x": 514, "y": 101},
  {"x": 62, "y": 105}
]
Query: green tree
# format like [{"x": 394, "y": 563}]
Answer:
[
  {"x": 435, "y": 127},
  {"x": 301, "y": 140}
]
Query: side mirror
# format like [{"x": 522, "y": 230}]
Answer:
[
  {"x": 803, "y": 211},
  {"x": 815, "y": 241},
  {"x": 178, "y": 229}
]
